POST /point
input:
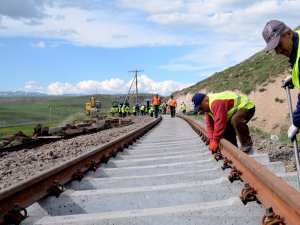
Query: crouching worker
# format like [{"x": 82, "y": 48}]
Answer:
[{"x": 227, "y": 114}]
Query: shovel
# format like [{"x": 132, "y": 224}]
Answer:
[{"x": 287, "y": 86}]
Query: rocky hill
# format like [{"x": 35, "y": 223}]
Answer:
[{"x": 259, "y": 77}]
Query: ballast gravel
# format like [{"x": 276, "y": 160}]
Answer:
[{"x": 21, "y": 165}]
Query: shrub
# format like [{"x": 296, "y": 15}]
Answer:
[
  {"x": 279, "y": 100},
  {"x": 262, "y": 89}
]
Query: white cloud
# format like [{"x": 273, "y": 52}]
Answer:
[
  {"x": 148, "y": 85},
  {"x": 153, "y": 6},
  {"x": 112, "y": 86},
  {"x": 183, "y": 67},
  {"x": 224, "y": 31},
  {"x": 33, "y": 86},
  {"x": 40, "y": 44},
  {"x": 59, "y": 88}
]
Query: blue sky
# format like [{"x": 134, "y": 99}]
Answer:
[{"x": 88, "y": 46}]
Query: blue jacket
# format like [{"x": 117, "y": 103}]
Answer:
[{"x": 292, "y": 60}]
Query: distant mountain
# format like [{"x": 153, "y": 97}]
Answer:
[{"x": 20, "y": 93}]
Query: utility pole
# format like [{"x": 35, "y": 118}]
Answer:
[
  {"x": 136, "y": 83},
  {"x": 50, "y": 113}
]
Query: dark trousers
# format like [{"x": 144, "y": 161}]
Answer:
[
  {"x": 237, "y": 126},
  {"x": 156, "y": 111},
  {"x": 172, "y": 109}
]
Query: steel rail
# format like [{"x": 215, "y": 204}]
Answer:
[
  {"x": 51, "y": 182},
  {"x": 271, "y": 190}
]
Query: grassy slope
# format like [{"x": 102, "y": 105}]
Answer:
[{"x": 258, "y": 69}]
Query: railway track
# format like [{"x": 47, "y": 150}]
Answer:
[{"x": 166, "y": 177}]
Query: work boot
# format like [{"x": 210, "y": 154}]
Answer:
[{"x": 246, "y": 149}]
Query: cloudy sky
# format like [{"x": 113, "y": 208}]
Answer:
[{"x": 89, "y": 46}]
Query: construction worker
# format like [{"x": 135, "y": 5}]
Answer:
[
  {"x": 134, "y": 110},
  {"x": 112, "y": 111},
  {"x": 137, "y": 109},
  {"x": 164, "y": 107},
  {"x": 123, "y": 111},
  {"x": 142, "y": 109},
  {"x": 156, "y": 103},
  {"x": 120, "y": 110},
  {"x": 127, "y": 110},
  {"x": 151, "y": 110},
  {"x": 183, "y": 108},
  {"x": 172, "y": 103},
  {"x": 227, "y": 114},
  {"x": 286, "y": 42}
]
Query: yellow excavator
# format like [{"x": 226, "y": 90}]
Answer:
[{"x": 92, "y": 107}]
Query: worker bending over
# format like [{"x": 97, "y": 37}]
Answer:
[{"x": 227, "y": 114}]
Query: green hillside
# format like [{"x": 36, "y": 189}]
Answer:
[{"x": 246, "y": 76}]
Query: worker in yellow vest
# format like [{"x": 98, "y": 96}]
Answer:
[
  {"x": 142, "y": 109},
  {"x": 120, "y": 110},
  {"x": 227, "y": 114},
  {"x": 112, "y": 111},
  {"x": 285, "y": 41},
  {"x": 134, "y": 110},
  {"x": 151, "y": 110},
  {"x": 183, "y": 108},
  {"x": 127, "y": 110},
  {"x": 123, "y": 111}
]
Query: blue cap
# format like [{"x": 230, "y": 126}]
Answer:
[{"x": 197, "y": 100}]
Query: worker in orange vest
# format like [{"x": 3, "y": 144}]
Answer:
[
  {"x": 156, "y": 103},
  {"x": 172, "y": 103}
]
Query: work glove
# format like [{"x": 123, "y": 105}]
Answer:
[
  {"x": 293, "y": 130},
  {"x": 213, "y": 145},
  {"x": 287, "y": 82}
]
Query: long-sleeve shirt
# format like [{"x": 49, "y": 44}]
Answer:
[{"x": 219, "y": 109}]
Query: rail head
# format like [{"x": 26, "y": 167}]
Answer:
[{"x": 271, "y": 190}]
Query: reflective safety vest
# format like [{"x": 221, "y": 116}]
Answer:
[
  {"x": 172, "y": 102},
  {"x": 112, "y": 110},
  {"x": 142, "y": 108},
  {"x": 183, "y": 107},
  {"x": 156, "y": 100},
  {"x": 295, "y": 71},
  {"x": 240, "y": 102},
  {"x": 133, "y": 108},
  {"x": 123, "y": 109},
  {"x": 151, "y": 109},
  {"x": 127, "y": 108}
]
